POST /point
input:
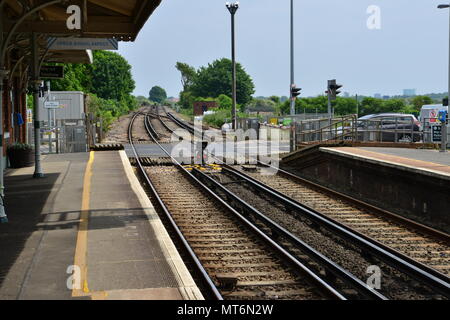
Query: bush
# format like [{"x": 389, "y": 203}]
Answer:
[
  {"x": 109, "y": 109},
  {"x": 20, "y": 146},
  {"x": 218, "y": 119},
  {"x": 221, "y": 117}
]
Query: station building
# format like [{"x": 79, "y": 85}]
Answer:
[{"x": 25, "y": 28}]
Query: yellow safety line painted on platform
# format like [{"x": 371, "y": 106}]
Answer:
[{"x": 81, "y": 246}]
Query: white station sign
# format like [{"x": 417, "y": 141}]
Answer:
[
  {"x": 82, "y": 44},
  {"x": 51, "y": 104}
]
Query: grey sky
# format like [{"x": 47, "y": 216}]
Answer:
[{"x": 332, "y": 41}]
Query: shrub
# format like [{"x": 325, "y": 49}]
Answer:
[{"x": 20, "y": 146}]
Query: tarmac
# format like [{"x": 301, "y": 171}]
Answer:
[{"x": 87, "y": 230}]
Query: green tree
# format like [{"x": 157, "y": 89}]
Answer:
[
  {"x": 225, "y": 102},
  {"x": 263, "y": 105},
  {"x": 111, "y": 76},
  {"x": 370, "y": 106},
  {"x": 188, "y": 74},
  {"x": 345, "y": 106},
  {"x": 216, "y": 79},
  {"x": 419, "y": 101},
  {"x": 275, "y": 99},
  {"x": 142, "y": 101},
  {"x": 157, "y": 94},
  {"x": 77, "y": 77},
  {"x": 108, "y": 83}
]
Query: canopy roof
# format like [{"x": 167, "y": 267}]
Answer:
[{"x": 120, "y": 19}]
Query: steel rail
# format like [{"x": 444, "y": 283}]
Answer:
[
  {"x": 154, "y": 133},
  {"x": 313, "y": 254},
  {"x": 413, "y": 268},
  {"x": 208, "y": 281},
  {"x": 324, "y": 287},
  {"x": 438, "y": 235}
]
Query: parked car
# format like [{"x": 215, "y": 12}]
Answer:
[{"x": 389, "y": 127}]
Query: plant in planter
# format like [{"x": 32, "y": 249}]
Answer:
[{"x": 20, "y": 155}]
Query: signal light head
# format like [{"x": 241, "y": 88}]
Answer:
[{"x": 295, "y": 91}]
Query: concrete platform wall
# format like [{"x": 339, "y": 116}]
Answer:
[{"x": 416, "y": 196}]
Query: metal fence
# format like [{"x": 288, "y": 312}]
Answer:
[
  {"x": 396, "y": 129},
  {"x": 63, "y": 136},
  {"x": 287, "y": 120},
  {"x": 325, "y": 129}
]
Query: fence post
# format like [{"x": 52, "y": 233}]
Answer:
[{"x": 291, "y": 138}]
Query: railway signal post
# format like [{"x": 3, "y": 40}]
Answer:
[{"x": 332, "y": 92}]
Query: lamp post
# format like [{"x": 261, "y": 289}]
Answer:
[
  {"x": 444, "y": 124},
  {"x": 292, "y": 59},
  {"x": 233, "y": 7}
]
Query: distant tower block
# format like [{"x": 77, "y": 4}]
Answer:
[{"x": 409, "y": 92}]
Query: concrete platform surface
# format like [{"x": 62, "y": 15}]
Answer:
[
  {"x": 86, "y": 231},
  {"x": 428, "y": 162}
]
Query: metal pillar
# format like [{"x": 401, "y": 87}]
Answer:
[
  {"x": 329, "y": 104},
  {"x": 3, "y": 74},
  {"x": 444, "y": 124},
  {"x": 292, "y": 59},
  {"x": 233, "y": 59},
  {"x": 37, "y": 125}
]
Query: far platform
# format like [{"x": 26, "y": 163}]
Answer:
[
  {"x": 424, "y": 161},
  {"x": 87, "y": 230}
]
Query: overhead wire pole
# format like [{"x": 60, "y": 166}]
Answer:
[{"x": 292, "y": 60}]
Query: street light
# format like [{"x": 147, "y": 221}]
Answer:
[
  {"x": 292, "y": 59},
  {"x": 233, "y": 7},
  {"x": 444, "y": 126}
]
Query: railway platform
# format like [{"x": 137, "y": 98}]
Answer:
[
  {"x": 422, "y": 161},
  {"x": 87, "y": 230}
]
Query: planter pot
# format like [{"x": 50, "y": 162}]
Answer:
[{"x": 20, "y": 158}]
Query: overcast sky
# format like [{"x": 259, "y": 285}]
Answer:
[{"x": 332, "y": 40}]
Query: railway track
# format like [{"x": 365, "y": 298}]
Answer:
[
  {"x": 175, "y": 187},
  {"x": 231, "y": 253},
  {"x": 402, "y": 278},
  {"x": 225, "y": 248},
  {"x": 425, "y": 245}
]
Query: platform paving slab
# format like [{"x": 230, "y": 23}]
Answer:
[{"x": 129, "y": 255}]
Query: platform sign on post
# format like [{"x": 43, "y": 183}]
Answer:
[
  {"x": 52, "y": 72},
  {"x": 436, "y": 133},
  {"x": 51, "y": 104}
]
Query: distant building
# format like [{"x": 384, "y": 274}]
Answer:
[
  {"x": 386, "y": 97},
  {"x": 173, "y": 100},
  {"x": 377, "y": 95},
  {"x": 200, "y": 107},
  {"x": 346, "y": 94},
  {"x": 409, "y": 92}
]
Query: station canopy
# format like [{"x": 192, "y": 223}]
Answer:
[{"x": 119, "y": 19}]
